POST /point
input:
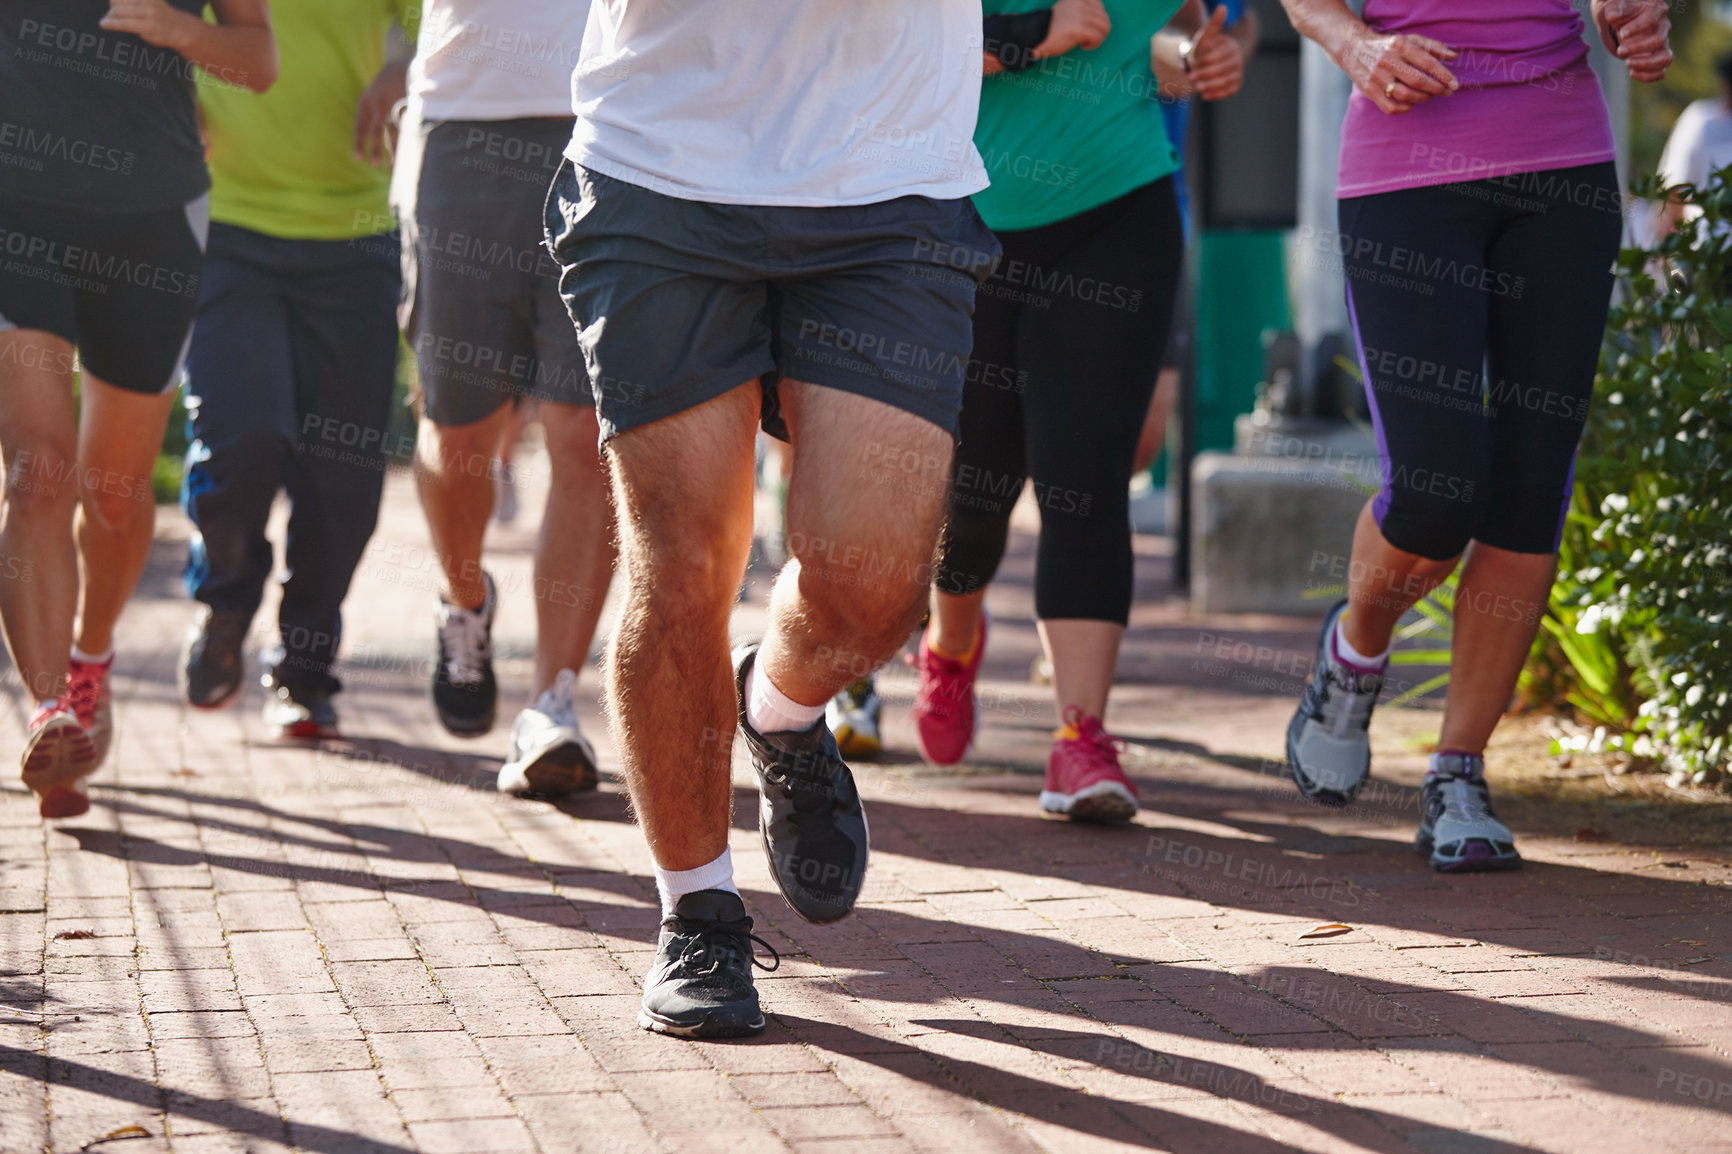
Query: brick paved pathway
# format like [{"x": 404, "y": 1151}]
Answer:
[{"x": 249, "y": 947}]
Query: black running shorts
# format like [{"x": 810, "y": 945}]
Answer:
[{"x": 121, "y": 286}]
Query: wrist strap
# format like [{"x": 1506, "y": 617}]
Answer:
[{"x": 1013, "y": 39}]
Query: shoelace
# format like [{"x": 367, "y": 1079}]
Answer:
[
  {"x": 44, "y": 710},
  {"x": 941, "y": 680},
  {"x": 463, "y": 636},
  {"x": 1096, "y": 748},
  {"x": 1467, "y": 796},
  {"x": 1351, "y": 707},
  {"x": 715, "y": 944},
  {"x": 82, "y": 693}
]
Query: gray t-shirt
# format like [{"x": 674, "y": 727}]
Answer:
[{"x": 94, "y": 120}]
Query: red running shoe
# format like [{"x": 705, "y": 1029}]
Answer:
[
  {"x": 1083, "y": 778},
  {"x": 92, "y": 702},
  {"x": 57, "y": 755},
  {"x": 945, "y": 719}
]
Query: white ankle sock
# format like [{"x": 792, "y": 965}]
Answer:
[
  {"x": 673, "y": 885},
  {"x": 90, "y": 659},
  {"x": 1351, "y": 655},
  {"x": 772, "y": 711}
]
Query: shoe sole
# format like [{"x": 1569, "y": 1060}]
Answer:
[
  {"x": 1480, "y": 859},
  {"x": 1110, "y": 804},
  {"x": 307, "y": 731},
  {"x": 222, "y": 702},
  {"x": 461, "y": 727},
  {"x": 548, "y": 774},
  {"x": 56, "y": 757},
  {"x": 708, "y": 1028}
]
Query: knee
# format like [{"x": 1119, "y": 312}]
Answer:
[
  {"x": 1434, "y": 521},
  {"x": 42, "y": 483},
  {"x": 871, "y": 599},
  {"x": 683, "y": 576},
  {"x": 115, "y": 502}
]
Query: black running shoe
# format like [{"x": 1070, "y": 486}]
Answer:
[
  {"x": 212, "y": 669},
  {"x": 465, "y": 695},
  {"x": 298, "y": 703},
  {"x": 700, "y": 984},
  {"x": 809, "y": 813}
]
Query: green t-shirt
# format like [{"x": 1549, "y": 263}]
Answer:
[
  {"x": 283, "y": 162},
  {"x": 1077, "y": 130}
]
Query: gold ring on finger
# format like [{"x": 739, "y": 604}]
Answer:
[{"x": 1389, "y": 90}]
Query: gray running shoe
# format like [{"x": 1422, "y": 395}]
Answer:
[
  {"x": 700, "y": 984},
  {"x": 1328, "y": 740},
  {"x": 1459, "y": 830},
  {"x": 549, "y": 755}
]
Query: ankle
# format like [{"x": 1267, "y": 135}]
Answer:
[
  {"x": 769, "y": 710},
  {"x": 953, "y": 647},
  {"x": 1353, "y": 656},
  {"x": 717, "y": 874},
  {"x": 93, "y": 657}
]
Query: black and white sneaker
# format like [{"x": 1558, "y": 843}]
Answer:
[
  {"x": 700, "y": 984},
  {"x": 1329, "y": 739},
  {"x": 1459, "y": 831},
  {"x": 298, "y": 704},
  {"x": 465, "y": 695},
  {"x": 809, "y": 813}
]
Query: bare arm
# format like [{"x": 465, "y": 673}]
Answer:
[
  {"x": 1217, "y": 55},
  {"x": 238, "y": 49},
  {"x": 1075, "y": 24},
  {"x": 1636, "y": 32},
  {"x": 1394, "y": 72}
]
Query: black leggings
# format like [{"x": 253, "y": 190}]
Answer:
[
  {"x": 1479, "y": 310},
  {"x": 1068, "y": 336}
]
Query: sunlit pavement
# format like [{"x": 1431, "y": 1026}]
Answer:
[{"x": 253, "y": 947}]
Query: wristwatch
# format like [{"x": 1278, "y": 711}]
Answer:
[{"x": 1186, "y": 50}]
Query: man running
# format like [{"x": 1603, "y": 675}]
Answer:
[
  {"x": 294, "y": 355},
  {"x": 489, "y": 114},
  {"x": 763, "y": 218},
  {"x": 103, "y": 216}
]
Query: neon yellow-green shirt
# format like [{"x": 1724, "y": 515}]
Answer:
[{"x": 283, "y": 162}]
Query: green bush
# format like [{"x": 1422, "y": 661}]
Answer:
[{"x": 1642, "y": 612}]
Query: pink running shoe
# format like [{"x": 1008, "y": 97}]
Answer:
[
  {"x": 92, "y": 701},
  {"x": 945, "y": 719},
  {"x": 1083, "y": 778},
  {"x": 57, "y": 755}
]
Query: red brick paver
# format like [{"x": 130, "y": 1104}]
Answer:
[{"x": 362, "y": 947}]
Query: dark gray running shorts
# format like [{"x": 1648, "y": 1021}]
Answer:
[
  {"x": 679, "y": 301},
  {"x": 481, "y": 305}
]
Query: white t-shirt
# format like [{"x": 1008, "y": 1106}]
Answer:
[
  {"x": 782, "y": 102},
  {"x": 1700, "y": 144},
  {"x": 496, "y": 59}
]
